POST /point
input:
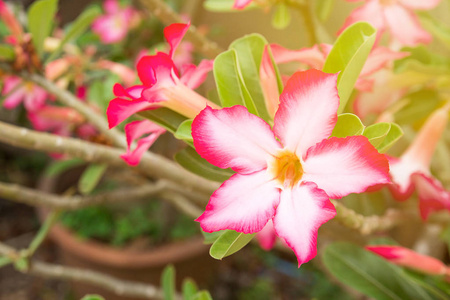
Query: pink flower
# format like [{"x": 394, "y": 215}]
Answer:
[
  {"x": 115, "y": 24},
  {"x": 241, "y": 4},
  {"x": 395, "y": 16},
  {"x": 55, "y": 119},
  {"x": 407, "y": 258},
  {"x": 12, "y": 23},
  {"x": 134, "y": 131},
  {"x": 161, "y": 86},
  {"x": 412, "y": 169},
  {"x": 286, "y": 174},
  {"x": 17, "y": 91}
]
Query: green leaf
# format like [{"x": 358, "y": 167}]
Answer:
[
  {"x": 230, "y": 85},
  {"x": 164, "y": 117},
  {"x": 93, "y": 297},
  {"x": 91, "y": 177},
  {"x": 184, "y": 132},
  {"x": 4, "y": 261},
  {"x": 347, "y": 125},
  {"x": 281, "y": 17},
  {"x": 168, "y": 282},
  {"x": 249, "y": 51},
  {"x": 223, "y": 5},
  {"x": 383, "y": 135},
  {"x": 41, "y": 16},
  {"x": 323, "y": 9},
  {"x": 436, "y": 27},
  {"x": 189, "y": 289},
  {"x": 22, "y": 264},
  {"x": 370, "y": 274},
  {"x": 435, "y": 285},
  {"x": 7, "y": 52},
  {"x": 77, "y": 28},
  {"x": 419, "y": 106},
  {"x": 202, "y": 295},
  {"x": 348, "y": 56},
  {"x": 394, "y": 134},
  {"x": 211, "y": 237},
  {"x": 189, "y": 159},
  {"x": 58, "y": 167},
  {"x": 229, "y": 243}
]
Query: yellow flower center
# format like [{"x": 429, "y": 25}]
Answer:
[{"x": 286, "y": 169}]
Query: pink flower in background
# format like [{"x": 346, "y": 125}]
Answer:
[
  {"x": 115, "y": 24},
  {"x": 12, "y": 23},
  {"x": 412, "y": 169},
  {"x": 55, "y": 119},
  {"x": 241, "y": 4},
  {"x": 286, "y": 174},
  {"x": 134, "y": 132},
  {"x": 407, "y": 258},
  {"x": 17, "y": 91},
  {"x": 395, "y": 16},
  {"x": 161, "y": 85}
]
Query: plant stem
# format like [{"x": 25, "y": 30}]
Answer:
[
  {"x": 153, "y": 165},
  {"x": 304, "y": 9},
  {"x": 43, "y": 232},
  {"x": 168, "y": 16}
]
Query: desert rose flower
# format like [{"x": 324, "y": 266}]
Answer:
[
  {"x": 17, "y": 91},
  {"x": 412, "y": 168},
  {"x": 161, "y": 84},
  {"x": 395, "y": 16},
  {"x": 113, "y": 26},
  {"x": 407, "y": 258},
  {"x": 286, "y": 173}
]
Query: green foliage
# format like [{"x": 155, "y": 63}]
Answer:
[
  {"x": 78, "y": 27},
  {"x": 91, "y": 178},
  {"x": 164, "y": 117},
  {"x": 229, "y": 243},
  {"x": 281, "y": 17},
  {"x": 60, "y": 166},
  {"x": 92, "y": 297},
  {"x": 347, "y": 125},
  {"x": 370, "y": 274},
  {"x": 189, "y": 289},
  {"x": 323, "y": 9},
  {"x": 168, "y": 282},
  {"x": 222, "y": 5},
  {"x": 189, "y": 159},
  {"x": 348, "y": 56},
  {"x": 383, "y": 135},
  {"x": 118, "y": 227},
  {"x": 41, "y": 16},
  {"x": 7, "y": 52},
  {"x": 184, "y": 132},
  {"x": 420, "y": 104}
]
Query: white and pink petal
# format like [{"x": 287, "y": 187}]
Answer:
[
  {"x": 244, "y": 203},
  {"x": 234, "y": 138},
  {"x": 299, "y": 215},
  {"x": 341, "y": 166},
  {"x": 307, "y": 112},
  {"x": 432, "y": 195}
]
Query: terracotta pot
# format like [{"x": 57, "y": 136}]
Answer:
[{"x": 190, "y": 257}]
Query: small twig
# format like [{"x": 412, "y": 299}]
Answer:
[
  {"x": 33, "y": 197},
  {"x": 368, "y": 224},
  {"x": 168, "y": 16},
  {"x": 304, "y": 9},
  {"x": 153, "y": 165},
  {"x": 182, "y": 204}
]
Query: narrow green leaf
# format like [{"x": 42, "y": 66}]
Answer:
[
  {"x": 437, "y": 287},
  {"x": 223, "y": 5},
  {"x": 7, "y": 52},
  {"x": 202, "y": 295},
  {"x": 189, "y": 289},
  {"x": 230, "y": 85},
  {"x": 376, "y": 133},
  {"x": 348, "y": 56},
  {"x": 189, "y": 159},
  {"x": 281, "y": 17},
  {"x": 229, "y": 243},
  {"x": 347, "y": 125},
  {"x": 370, "y": 274},
  {"x": 59, "y": 167},
  {"x": 211, "y": 237},
  {"x": 91, "y": 177},
  {"x": 22, "y": 264},
  {"x": 184, "y": 132},
  {"x": 4, "y": 261},
  {"x": 323, "y": 9},
  {"x": 168, "y": 282},
  {"x": 92, "y": 297},
  {"x": 394, "y": 134},
  {"x": 41, "y": 16},
  {"x": 164, "y": 117},
  {"x": 77, "y": 28},
  {"x": 249, "y": 51}
]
